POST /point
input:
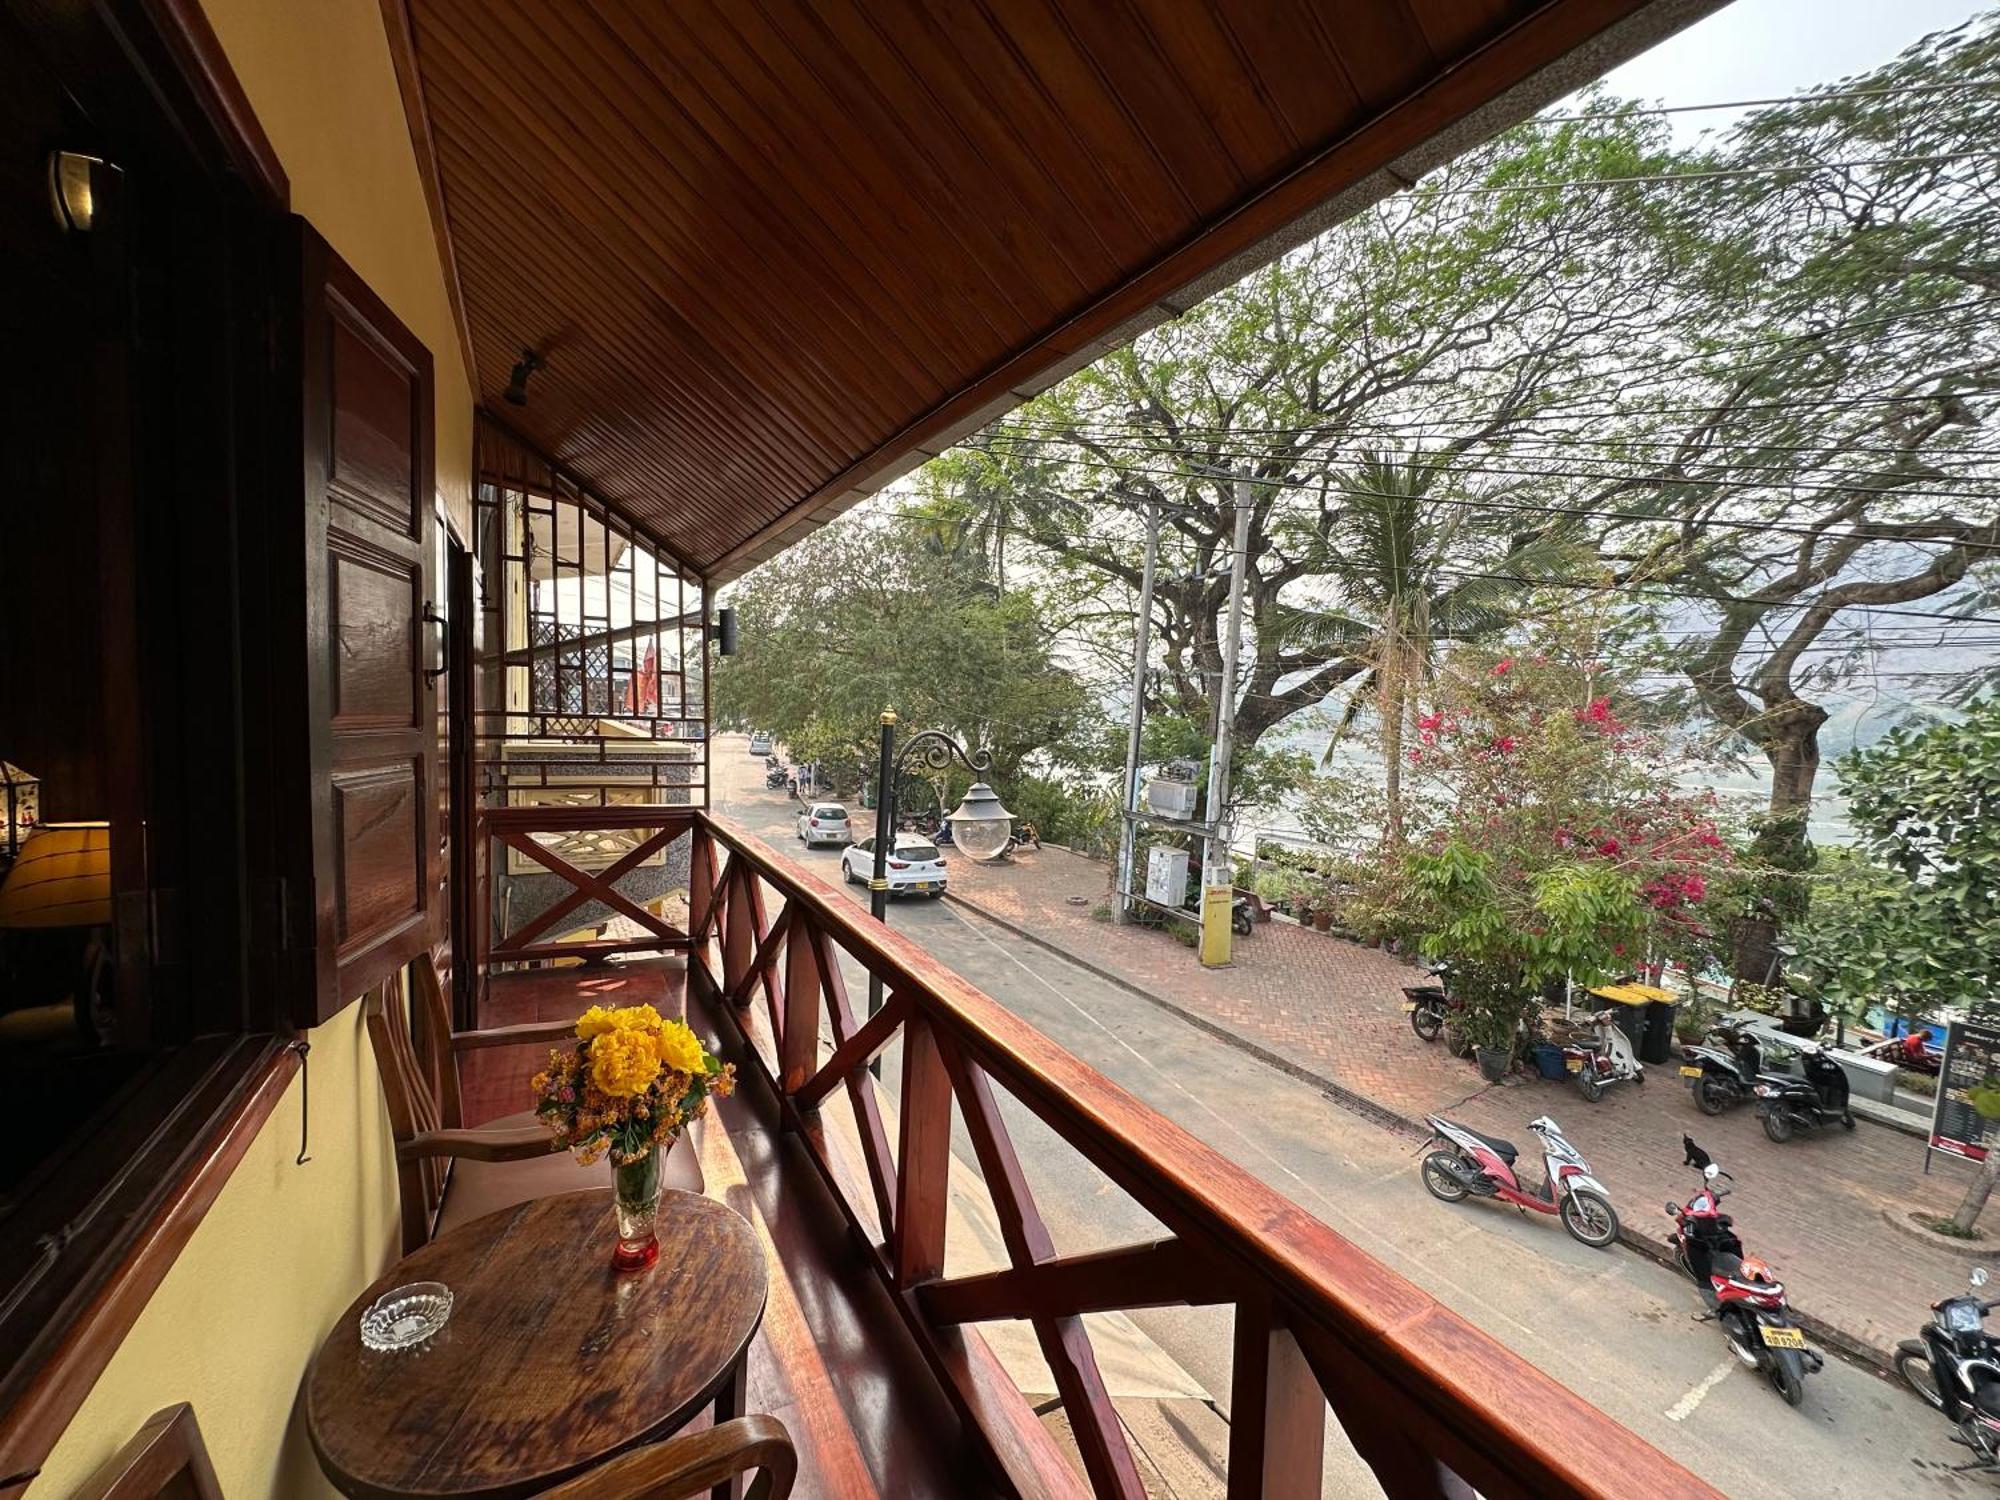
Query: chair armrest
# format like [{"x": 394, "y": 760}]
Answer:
[
  {"x": 522, "y": 1144},
  {"x": 547, "y": 1032},
  {"x": 694, "y": 1462}
]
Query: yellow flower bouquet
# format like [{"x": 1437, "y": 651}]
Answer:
[{"x": 627, "y": 1089}]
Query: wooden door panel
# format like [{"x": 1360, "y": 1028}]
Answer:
[
  {"x": 377, "y": 604},
  {"x": 379, "y": 830},
  {"x": 377, "y": 421},
  {"x": 369, "y": 537}
]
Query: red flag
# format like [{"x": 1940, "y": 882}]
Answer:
[{"x": 649, "y": 680}]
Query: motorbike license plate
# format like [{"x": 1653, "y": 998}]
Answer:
[
  {"x": 1408, "y": 1006},
  {"x": 1574, "y": 1064},
  {"x": 1782, "y": 1338},
  {"x": 1690, "y": 1072}
]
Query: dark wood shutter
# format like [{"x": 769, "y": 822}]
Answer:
[{"x": 371, "y": 716}]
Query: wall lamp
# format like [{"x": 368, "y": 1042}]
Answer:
[{"x": 517, "y": 383}]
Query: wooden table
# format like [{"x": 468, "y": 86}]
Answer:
[{"x": 551, "y": 1362}]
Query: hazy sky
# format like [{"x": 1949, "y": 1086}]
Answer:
[{"x": 1761, "y": 48}]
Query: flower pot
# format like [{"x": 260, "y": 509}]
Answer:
[
  {"x": 636, "y": 1205},
  {"x": 1493, "y": 1063},
  {"x": 1322, "y": 920},
  {"x": 1455, "y": 1042}
]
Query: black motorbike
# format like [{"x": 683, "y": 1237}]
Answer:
[
  {"x": 1429, "y": 1006},
  {"x": 1955, "y": 1367},
  {"x": 1789, "y": 1105},
  {"x": 1723, "y": 1070},
  {"x": 1242, "y": 916},
  {"x": 775, "y": 775}
]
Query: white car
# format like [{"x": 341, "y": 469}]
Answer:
[
  {"x": 825, "y": 823},
  {"x": 914, "y": 865},
  {"x": 760, "y": 742}
]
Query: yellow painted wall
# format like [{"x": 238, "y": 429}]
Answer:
[
  {"x": 319, "y": 76},
  {"x": 285, "y": 1248},
  {"x": 277, "y": 1258}
]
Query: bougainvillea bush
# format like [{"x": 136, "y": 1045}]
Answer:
[{"x": 1549, "y": 834}]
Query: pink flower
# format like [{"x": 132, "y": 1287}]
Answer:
[
  {"x": 1694, "y": 888},
  {"x": 1504, "y": 744},
  {"x": 1502, "y": 667}
]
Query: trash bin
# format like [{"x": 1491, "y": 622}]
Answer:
[
  {"x": 1549, "y": 1061},
  {"x": 1658, "y": 1046}
]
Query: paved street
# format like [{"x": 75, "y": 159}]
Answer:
[{"x": 1615, "y": 1328}]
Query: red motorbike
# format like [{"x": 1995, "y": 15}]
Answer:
[
  {"x": 1473, "y": 1165},
  {"x": 1746, "y": 1301}
]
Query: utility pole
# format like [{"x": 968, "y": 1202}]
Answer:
[
  {"x": 1128, "y": 831},
  {"x": 1217, "y": 877}
]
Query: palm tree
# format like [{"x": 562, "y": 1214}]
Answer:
[{"x": 1414, "y": 568}]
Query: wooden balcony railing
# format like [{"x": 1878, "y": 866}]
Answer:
[
  {"x": 651, "y": 828},
  {"x": 1428, "y": 1401}
]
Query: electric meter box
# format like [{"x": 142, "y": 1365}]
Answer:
[
  {"x": 1166, "y": 875},
  {"x": 1170, "y": 799}
]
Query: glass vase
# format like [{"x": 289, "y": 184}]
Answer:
[{"x": 635, "y": 1190}]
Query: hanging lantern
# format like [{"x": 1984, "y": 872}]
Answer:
[{"x": 20, "y": 805}]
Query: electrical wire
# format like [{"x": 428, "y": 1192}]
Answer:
[
  {"x": 1916, "y": 90},
  {"x": 1715, "y": 174},
  {"x": 1575, "y": 511},
  {"x": 1709, "y": 601}
]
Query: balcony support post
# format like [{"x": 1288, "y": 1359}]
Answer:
[
  {"x": 798, "y": 1042},
  {"x": 701, "y": 909},
  {"x": 923, "y": 1162},
  {"x": 1277, "y": 1412}
]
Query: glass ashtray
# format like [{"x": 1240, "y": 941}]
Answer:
[{"x": 406, "y": 1316}]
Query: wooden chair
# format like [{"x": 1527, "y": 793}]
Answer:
[
  {"x": 448, "y": 1174},
  {"x": 694, "y": 1462},
  {"x": 166, "y": 1461}
]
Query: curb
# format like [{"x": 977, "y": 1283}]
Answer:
[
  {"x": 1980, "y": 1249},
  {"x": 1853, "y": 1350},
  {"x": 1368, "y": 1109}
]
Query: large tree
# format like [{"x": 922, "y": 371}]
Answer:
[
  {"x": 1815, "y": 464},
  {"x": 863, "y": 617},
  {"x": 1272, "y": 390}
]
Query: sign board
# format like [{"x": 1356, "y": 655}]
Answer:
[{"x": 1971, "y": 1058}]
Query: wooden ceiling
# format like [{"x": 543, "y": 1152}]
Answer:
[{"x": 772, "y": 251}]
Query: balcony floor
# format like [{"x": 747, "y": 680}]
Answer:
[{"x": 832, "y": 1360}]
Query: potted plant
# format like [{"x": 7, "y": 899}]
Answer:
[{"x": 1496, "y": 998}]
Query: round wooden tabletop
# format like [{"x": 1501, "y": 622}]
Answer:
[{"x": 551, "y": 1361}]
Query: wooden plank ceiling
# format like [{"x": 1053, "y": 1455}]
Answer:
[{"x": 769, "y": 249}]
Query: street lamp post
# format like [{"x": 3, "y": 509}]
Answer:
[{"x": 979, "y": 827}]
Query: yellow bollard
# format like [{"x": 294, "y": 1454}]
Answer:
[{"x": 1216, "y": 904}]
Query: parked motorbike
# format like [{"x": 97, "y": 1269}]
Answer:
[
  {"x": 1242, "y": 916},
  {"x": 1429, "y": 1006},
  {"x": 1789, "y": 1105},
  {"x": 775, "y": 775},
  {"x": 1743, "y": 1297},
  {"x": 1722, "y": 1070},
  {"x": 1471, "y": 1164},
  {"x": 1955, "y": 1367},
  {"x": 1607, "y": 1061}
]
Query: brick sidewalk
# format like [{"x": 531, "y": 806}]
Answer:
[{"x": 1332, "y": 1009}]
